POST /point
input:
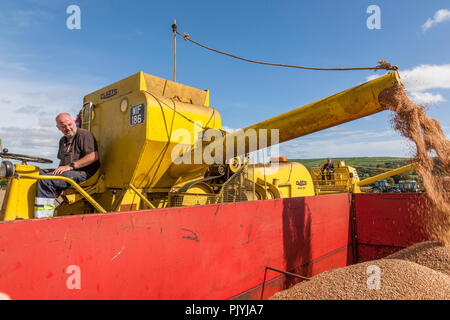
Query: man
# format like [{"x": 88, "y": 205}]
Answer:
[
  {"x": 78, "y": 154},
  {"x": 328, "y": 168}
]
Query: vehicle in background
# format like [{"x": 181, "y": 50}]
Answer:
[
  {"x": 408, "y": 186},
  {"x": 381, "y": 186}
]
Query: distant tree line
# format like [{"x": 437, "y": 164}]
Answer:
[{"x": 364, "y": 173}]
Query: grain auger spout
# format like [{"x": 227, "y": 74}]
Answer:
[{"x": 346, "y": 106}]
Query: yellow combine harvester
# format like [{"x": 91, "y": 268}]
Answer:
[
  {"x": 140, "y": 122},
  {"x": 345, "y": 178}
]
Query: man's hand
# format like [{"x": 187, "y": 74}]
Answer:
[{"x": 61, "y": 170}]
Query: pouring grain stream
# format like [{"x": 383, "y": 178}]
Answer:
[{"x": 411, "y": 121}]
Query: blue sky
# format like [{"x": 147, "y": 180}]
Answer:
[{"x": 45, "y": 68}]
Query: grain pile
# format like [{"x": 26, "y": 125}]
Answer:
[
  {"x": 399, "y": 280},
  {"x": 411, "y": 121},
  {"x": 433, "y": 255}
]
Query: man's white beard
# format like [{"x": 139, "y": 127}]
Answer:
[{"x": 72, "y": 134}]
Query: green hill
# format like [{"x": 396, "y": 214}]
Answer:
[
  {"x": 368, "y": 166},
  {"x": 382, "y": 162}
]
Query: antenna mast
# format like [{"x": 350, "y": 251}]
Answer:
[{"x": 174, "y": 29}]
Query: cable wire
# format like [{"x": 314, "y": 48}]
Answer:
[{"x": 382, "y": 64}]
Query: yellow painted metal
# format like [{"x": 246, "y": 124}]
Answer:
[
  {"x": 254, "y": 182},
  {"x": 141, "y": 120},
  {"x": 207, "y": 99},
  {"x": 129, "y": 201},
  {"x": 71, "y": 182},
  {"x": 198, "y": 194},
  {"x": 388, "y": 174},
  {"x": 272, "y": 192},
  {"x": 235, "y": 164},
  {"x": 342, "y": 180},
  {"x": 294, "y": 179},
  {"x": 345, "y": 179},
  {"x": 140, "y": 154},
  {"x": 374, "y": 168},
  {"x": 143, "y": 198},
  {"x": 20, "y": 195},
  {"x": 91, "y": 185},
  {"x": 349, "y": 105}
]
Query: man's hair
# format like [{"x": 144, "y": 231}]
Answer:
[{"x": 62, "y": 114}]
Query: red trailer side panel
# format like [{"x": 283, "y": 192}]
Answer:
[
  {"x": 386, "y": 223},
  {"x": 205, "y": 252}
]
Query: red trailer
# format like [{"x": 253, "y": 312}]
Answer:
[{"x": 205, "y": 252}]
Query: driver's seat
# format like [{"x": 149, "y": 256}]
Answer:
[
  {"x": 91, "y": 181},
  {"x": 71, "y": 195}
]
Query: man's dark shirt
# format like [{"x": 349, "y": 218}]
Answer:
[
  {"x": 75, "y": 148},
  {"x": 328, "y": 166}
]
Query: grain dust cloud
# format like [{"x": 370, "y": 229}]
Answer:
[
  {"x": 420, "y": 271},
  {"x": 411, "y": 121}
]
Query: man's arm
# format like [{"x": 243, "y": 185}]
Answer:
[
  {"x": 81, "y": 163},
  {"x": 86, "y": 160}
]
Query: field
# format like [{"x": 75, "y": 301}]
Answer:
[{"x": 363, "y": 161}]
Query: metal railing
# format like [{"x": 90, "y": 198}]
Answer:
[
  {"x": 75, "y": 185},
  {"x": 90, "y": 106}
]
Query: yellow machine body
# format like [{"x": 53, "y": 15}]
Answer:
[
  {"x": 346, "y": 106},
  {"x": 20, "y": 193},
  {"x": 139, "y": 121},
  {"x": 342, "y": 180},
  {"x": 349, "y": 105},
  {"x": 387, "y": 174},
  {"x": 139, "y": 152},
  {"x": 345, "y": 178},
  {"x": 290, "y": 179}
]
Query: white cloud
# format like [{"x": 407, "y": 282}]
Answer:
[
  {"x": 24, "y": 102},
  {"x": 341, "y": 141},
  {"x": 373, "y": 77},
  {"x": 37, "y": 142},
  {"x": 336, "y": 148},
  {"x": 28, "y": 107},
  {"x": 424, "y": 77},
  {"x": 426, "y": 97},
  {"x": 440, "y": 16},
  {"x": 359, "y": 133},
  {"x": 229, "y": 129}
]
